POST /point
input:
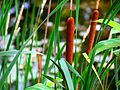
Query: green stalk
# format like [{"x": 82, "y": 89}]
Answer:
[
  {"x": 5, "y": 13},
  {"x": 16, "y": 7},
  {"x": 75, "y": 59},
  {"x": 29, "y": 58},
  {"x": 101, "y": 67},
  {"x": 51, "y": 39},
  {"x": 116, "y": 67},
  {"x": 24, "y": 28},
  {"x": 56, "y": 33},
  {"x": 17, "y": 70},
  {"x": 23, "y": 46}
]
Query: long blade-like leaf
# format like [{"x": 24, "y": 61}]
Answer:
[{"x": 67, "y": 74}]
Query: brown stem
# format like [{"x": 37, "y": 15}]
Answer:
[
  {"x": 46, "y": 26},
  {"x": 39, "y": 66}
]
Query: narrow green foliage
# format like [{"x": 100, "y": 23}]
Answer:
[
  {"x": 39, "y": 86},
  {"x": 25, "y": 43},
  {"x": 4, "y": 14},
  {"x": 17, "y": 63},
  {"x": 114, "y": 8},
  {"x": 74, "y": 72},
  {"x": 58, "y": 55},
  {"x": 104, "y": 45},
  {"x": 67, "y": 74},
  {"x": 25, "y": 28},
  {"x": 16, "y": 7},
  {"x": 76, "y": 32},
  {"x": 111, "y": 23},
  {"x": 48, "y": 55},
  {"x": 54, "y": 80},
  {"x": 31, "y": 46}
]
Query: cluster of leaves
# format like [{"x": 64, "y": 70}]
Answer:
[{"x": 86, "y": 78}]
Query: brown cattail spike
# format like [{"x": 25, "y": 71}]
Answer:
[
  {"x": 39, "y": 66},
  {"x": 92, "y": 31},
  {"x": 70, "y": 39}
]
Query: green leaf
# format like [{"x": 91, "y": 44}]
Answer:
[
  {"x": 113, "y": 10},
  {"x": 95, "y": 71},
  {"x": 67, "y": 74},
  {"x": 74, "y": 71},
  {"x": 13, "y": 52},
  {"x": 39, "y": 86},
  {"x": 118, "y": 83},
  {"x": 107, "y": 68},
  {"x": 117, "y": 52},
  {"x": 56, "y": 81},
  {"x": 114, "y": 31},
  {"x": 25, "y": 43},
  {"x": 111, "y": 23},
  {"x": 104, "y": 45},
  {"x": 58, "y": 55},
  {"x": 52, "y": 37},
  {"x": 48, "y": 55}
]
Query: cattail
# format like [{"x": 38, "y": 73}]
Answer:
[
  {"x": 92, "y": 28},
  {"x": 92, "y": 31},
  {"x": 70, "y": 39},
  {"x": 39, "y": 66}
]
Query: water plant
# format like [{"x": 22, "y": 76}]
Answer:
[{"x": 46, "y": 61}]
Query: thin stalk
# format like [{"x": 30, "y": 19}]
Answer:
[
  {"x": 46, "y": 29},
  {"x": 18, "y": 20},
  {"x": 16, "y": 7},
  {"x": 116, "y": 70},
  {"x": 56, "y": 37},
  {"x": 71, "y": 5},
  {"x": 24, "y": 28},
  {"x": 15, "y": 28},
  {"x": 101, "y": 66},
  {"x": 4, "y": 13},
  {"x": 31, "y": 46},
  {"x": 17, "y": 70},
  {"x": 75, "y": 59},
  {"x": 42, "y": 6},
  {"x": 28, "y": 66}
]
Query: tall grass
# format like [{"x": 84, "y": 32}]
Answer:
[{"x": 76, "y": 76}]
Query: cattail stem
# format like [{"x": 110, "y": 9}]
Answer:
[
  {"x": 39, "y": 66},
  {"x": 92, "y": 31},
  {"x": 70, "y": 39},
  {"x": 71, "y": 3},
  {"x": 97, "y": 4},
  {"x": 46, "y": 29}
]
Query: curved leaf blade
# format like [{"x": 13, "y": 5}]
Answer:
[
  {"x": 67, "y": 74},
  {"x": 39, "y": 86},
  {"x": 105, "y": 44}
]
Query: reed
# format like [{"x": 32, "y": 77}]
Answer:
[{"x": 58, "y": 68}]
